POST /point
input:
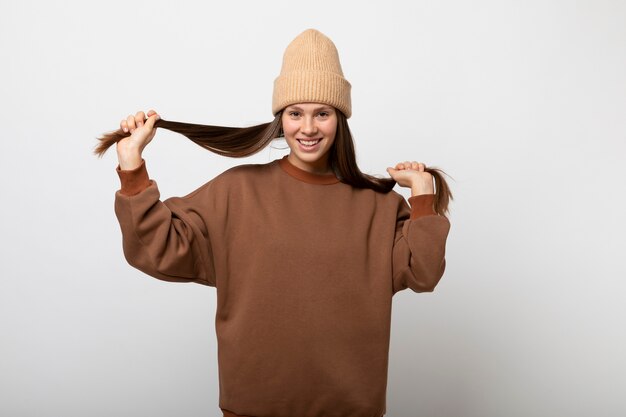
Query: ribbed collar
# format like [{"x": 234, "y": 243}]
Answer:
[{"x": 305, "y": 176}]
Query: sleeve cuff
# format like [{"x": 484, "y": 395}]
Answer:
[
  {"x": 422, "y": 205},
  {"x": 133, "y": 181}
]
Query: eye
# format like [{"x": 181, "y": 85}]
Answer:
[
  {"x": 294, "y": 113},
  {"x": 324, "y": 114}
]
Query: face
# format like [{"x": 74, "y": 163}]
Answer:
[{"x": 310, "y": 130}]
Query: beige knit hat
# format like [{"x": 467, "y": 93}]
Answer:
[{"x": 311, "y": 72}]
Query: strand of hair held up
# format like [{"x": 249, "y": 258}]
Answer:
[{"x": 239, "y": 142}]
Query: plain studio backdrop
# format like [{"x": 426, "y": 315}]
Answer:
[{"x": 522, "y": 103}]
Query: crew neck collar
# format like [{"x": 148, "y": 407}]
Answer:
[{"x": 305, "y": 176}]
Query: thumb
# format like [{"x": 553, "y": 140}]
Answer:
[{"x": 151, "y": 120}]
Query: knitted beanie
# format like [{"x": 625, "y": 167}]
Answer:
[{"x": 311, "y": 72}]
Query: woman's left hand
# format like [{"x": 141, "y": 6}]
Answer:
[{"x": 411, "y": 174}]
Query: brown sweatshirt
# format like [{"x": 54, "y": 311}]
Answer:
[{"x": 304, "y": 267}]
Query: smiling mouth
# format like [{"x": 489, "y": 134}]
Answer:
[{"x": 309, "y": 142}]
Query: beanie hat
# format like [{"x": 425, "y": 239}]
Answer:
[{"x": 311, "y": 72}]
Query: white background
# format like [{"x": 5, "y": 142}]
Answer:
[{"x": 522, "y": 103}]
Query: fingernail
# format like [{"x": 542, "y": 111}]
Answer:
[{"x": 125, "y": 129}]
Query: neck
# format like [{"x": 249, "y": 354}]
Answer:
[{"x": 319, "y": 167}]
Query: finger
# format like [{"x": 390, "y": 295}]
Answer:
[
  {"x": 123, "y": 125},
  {"x": 407, "y": 164},
  {"x": 415, "y": 165},
  {"x": 151, "y": 120},
  {"x": 154, "y": 113},
  {"x": 139, "y": 118},
  {"x": 399, "y": 165},
  {"x": 130, "y": 121}
]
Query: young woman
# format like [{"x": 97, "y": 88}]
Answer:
[{"x": 305, "y": 252}]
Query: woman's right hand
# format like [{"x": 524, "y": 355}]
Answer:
[{"x": 141, "y": 131}]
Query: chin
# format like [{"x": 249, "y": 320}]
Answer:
[{"x": 307, "y": 157}]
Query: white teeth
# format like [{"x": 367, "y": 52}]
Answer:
[{"x": 308, "y": 142}]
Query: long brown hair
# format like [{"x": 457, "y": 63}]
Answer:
[{"x": 239, "y": 142}]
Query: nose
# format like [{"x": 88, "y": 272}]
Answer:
[{"x": 308, "y": 126}]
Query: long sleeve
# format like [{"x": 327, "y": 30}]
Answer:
[
  {"x": 419, "y": 246},
  {"x": 165, "y": 239}
]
